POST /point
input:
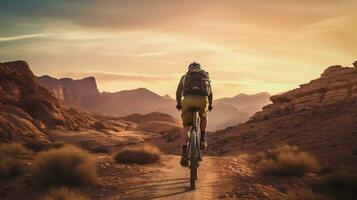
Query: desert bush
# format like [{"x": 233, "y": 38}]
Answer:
[
  {"x": 68, "y": 165},
  {"x": 287, "y": 161},
  {"x": 13, "y": 150},
  {"x": 9, "y": 167},
  {"x": 144, "y": 154},
  {"x": 10, "y": 159},
  {"x": 63, "y": 194},
  {"x": 340, "y": 183},
  {"x": 101, "y": 149},
  {"x": 306, "y": 194},
  {"x": 58, "y": 144}
]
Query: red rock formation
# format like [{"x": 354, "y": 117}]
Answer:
[
  {"x": 335, "y": 85},
  {"x": 28, "y": 110},
  {"x": 70, "y": 92},
  {"x": 320, "y": 117}
]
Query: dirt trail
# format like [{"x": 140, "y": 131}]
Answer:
[
  {"x": 173, "y": 182},
  {"x": 218, "y": 178}
]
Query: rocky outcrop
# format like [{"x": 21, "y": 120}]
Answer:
[
  {"x": 156, "y": 122},
  {"x": 319, "y": 117},
  {"x": 28, "y": 111},
  {"x": 69, "y": 91},
  {"x": 336, "y": 84}
]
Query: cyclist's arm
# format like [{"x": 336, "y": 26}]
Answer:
[
  {"x": 179, "y": 92},
  {"x": 210, "y": 96}
]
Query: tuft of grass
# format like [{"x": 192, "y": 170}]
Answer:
[
  {"x": 10, "y": 159},
  {"x": 63, "y": 193},
  {"x": 144, "y": 154},
  {"x": 68, "y": 165},
  {"x": 305, "y": 194},
  {"x": 287, "y": 161},
  {"x": 58, "y": 144}
]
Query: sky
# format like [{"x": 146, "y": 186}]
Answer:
[{"x": 246, "y": 46}]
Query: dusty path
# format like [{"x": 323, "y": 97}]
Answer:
[
  {"x": 173, "y": 182},
  {"x": 218, "y": 178}
]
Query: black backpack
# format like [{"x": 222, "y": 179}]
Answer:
[{"x": 197, "y": 83}]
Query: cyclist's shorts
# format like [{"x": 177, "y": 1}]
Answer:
[{"x": 191, "y": 102}]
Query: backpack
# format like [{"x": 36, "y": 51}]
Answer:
[{"x": 197, "y": 83}]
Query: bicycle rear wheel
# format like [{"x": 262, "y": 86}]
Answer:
[{"x": 193, "y": 161}]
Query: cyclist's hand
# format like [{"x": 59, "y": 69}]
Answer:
[
  {"x": 179, "y": 107},
  {"x": 210, "y": 107}
]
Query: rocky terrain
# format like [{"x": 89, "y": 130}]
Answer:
[
  {"x": 30, "y": 113},
  {"x": 34, "y": 116},
  {"x": 320, "y": 116},
  {"x": 29, "y": 110}
]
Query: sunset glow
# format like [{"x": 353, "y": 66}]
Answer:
[{"x": 247, "y": 46}]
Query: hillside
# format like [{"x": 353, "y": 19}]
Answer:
[
  {"x": 29, "y": 111},
  {"x": 320, "y": 116}
]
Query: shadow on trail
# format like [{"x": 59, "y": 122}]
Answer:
[{"x": 159, "y": 189}]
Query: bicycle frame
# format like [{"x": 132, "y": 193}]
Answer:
[{"x": 194, "y": 149}]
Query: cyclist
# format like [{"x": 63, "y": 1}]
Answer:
[{"x": 195, "y": 87}]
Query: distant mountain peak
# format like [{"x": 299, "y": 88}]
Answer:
[{"x": 166, "y": 96}]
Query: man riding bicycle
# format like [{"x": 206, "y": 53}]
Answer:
[{"x": 195, "y": 87}]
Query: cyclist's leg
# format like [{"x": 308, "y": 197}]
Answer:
[
  {"x": 203, "y": 119},
  {"x": 187, "y": 119},
  {"x": 203, "y": 125},
  {"x": 184, "y": 135}
]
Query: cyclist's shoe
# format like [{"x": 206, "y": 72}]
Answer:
[
  {"x": 184, "y": 160},
  {"x": 203, "y": 144}
]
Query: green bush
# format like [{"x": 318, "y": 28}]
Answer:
[
  {"x": 144, "y": 154},
  {"x": 63, "y": 194},
  {"x": 287, "y": 161},
  {"x": 68, "y": 165}
]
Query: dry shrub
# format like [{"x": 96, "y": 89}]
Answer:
[
  {"x": 10, "y": 159},
  {"x": 144, "y": 154},
  {"x": 14, "y": 150},
  {"x": 341, "y": 183},
  {"x": 68, "y": 165},
  {"x": 63, "y": 194},
  {"x": 304, "y": 194},
  {"x": 287, "y": 161},
  {"x": 58, "y": 144},
  {"x": 101, "y": 149}
]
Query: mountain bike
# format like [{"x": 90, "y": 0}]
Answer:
[{"x": 194, "y": 151}]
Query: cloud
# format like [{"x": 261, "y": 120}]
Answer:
[{"x": 21, "y": 37}]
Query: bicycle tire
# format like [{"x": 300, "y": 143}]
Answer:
[{"x": 193, "y": 161}]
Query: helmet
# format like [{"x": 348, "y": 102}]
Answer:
[{"x": 194, "y": 65}]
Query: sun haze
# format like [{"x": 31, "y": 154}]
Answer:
[{"x": 247, "y": 46}]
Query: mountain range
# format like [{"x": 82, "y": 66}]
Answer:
[{"x": 84, "y": 94}]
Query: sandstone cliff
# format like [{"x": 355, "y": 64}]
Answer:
[
  {"x": 69, "y": 91},
  {"x": 335, "y": 85}
]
